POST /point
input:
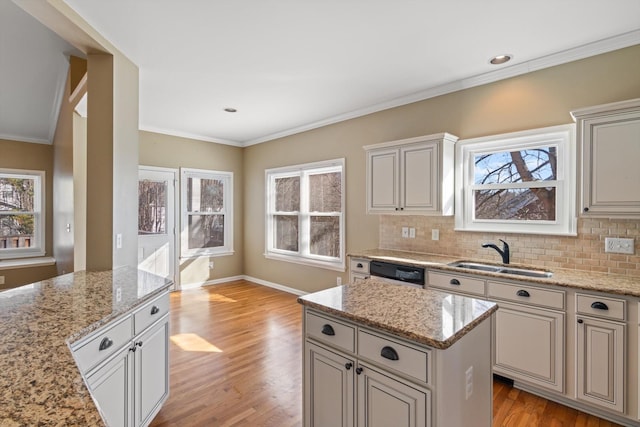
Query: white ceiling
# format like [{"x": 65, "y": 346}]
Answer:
[{"x": 292, "y": 65}]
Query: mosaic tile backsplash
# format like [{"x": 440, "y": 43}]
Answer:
[{"x": 582, "y": 252}]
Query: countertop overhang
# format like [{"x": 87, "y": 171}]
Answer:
[
  {"x": 585, "y": 280},
  {"x": 433, "y": 318},
  {"x": 39, "y": 380}
]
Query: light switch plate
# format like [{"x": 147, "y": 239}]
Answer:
[
  {"x": 405, "y": 232},
  {"x": 618, "y": 245}
]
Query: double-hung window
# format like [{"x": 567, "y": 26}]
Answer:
[
  {"x": 207, "y": 213},
  {"x": 521, "y": 182},
  {"x": 21, "y": 213},
  {"x": 305, "y": 214}
]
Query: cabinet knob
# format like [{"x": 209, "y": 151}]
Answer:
[
  {"x": 359, "y": 265},
  {"x": 454, "y": 282},
  {"x": 523, "y": 293},
  {"x": 585, "y": 209},
  {"x": 155, "y": 310},
  {"x": 401, "y": 209},
  {"x": 359, "y": 370},
  {"x": 348, "y": 365},
  {"x": 599, "y": 306},
  {"x": 105, "y": 343},
  {"x": 139, "y": 343},
  {"x": 580, "y": 321},
  {"x": 328, "y": 330}
]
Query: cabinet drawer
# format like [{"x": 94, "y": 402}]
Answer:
[
  {"x": 594, "y": 305},
  {"x": 359, "y": 266},
  {"x": 110, "y": 339},
  {"x": 150, "y": 312},
  {"x": 526, "y": 295},
  {"x": 382, "y": 350},
  {"x": 330, "y": 331},
  {"x": 456, "y": 283}
]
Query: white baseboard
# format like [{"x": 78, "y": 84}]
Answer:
[{"x": 243, "y": 277}]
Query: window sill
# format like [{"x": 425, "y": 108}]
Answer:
[
  {"x": 306, "y": 261},
  {"x": 8, "y": 264},
  {"x": 202, "y": 255}
]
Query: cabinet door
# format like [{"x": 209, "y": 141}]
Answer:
[
  {"x": 600, "y": 364},
  {"x": 151, "y": 371},
  {"x": 419, "y": 178},
  {"x": 329, "y": 393},
  {"x": 383, "y": 171},
  {"x": 384, "y": 401},
  {"x": 529, "y": 345},
  {"x": 112, "y": 389},
  {"x": 610, "y": 173}
]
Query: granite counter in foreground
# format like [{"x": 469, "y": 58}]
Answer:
[
  {"x": 40, "y": 383},
  {"x": 433, "y": 318}
]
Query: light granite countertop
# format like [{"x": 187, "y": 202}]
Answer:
[
  {"x": 40, "y": 384},
  {"x": 586, "y": 280},
  {"x": 433, "y": 318}
]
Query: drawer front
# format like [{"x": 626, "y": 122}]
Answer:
[
  {"x": 595, "y": 305},
  {"x": 150, "y": 312},
  {"x": 359, "y": 266},
  {"x": 382, "y": 350},
  {"x": 331, "y": 332},
  {"x": 456, "y": 283},
  {"x": 526, "y": 295},
  {"x": 102, "y": 344}
]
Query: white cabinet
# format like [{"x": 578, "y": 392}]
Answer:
[
  {"x": 358, "y": 269},
  {"x": 411, "y": 176},
  {"x": 126, "y": 365},
  {"x": 608, "y": 156},
  {"x": 600, "y": 354}
]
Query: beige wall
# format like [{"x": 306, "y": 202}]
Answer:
[
  {"x": 174, "y": 152},
  {"x": 538, "y": 99},
  {"x": 20, "y": 155}
]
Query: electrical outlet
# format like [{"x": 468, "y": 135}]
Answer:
[
  {"x": 618, "y": 245},
  {"x": 1, "y": 280},
  {"x": 405, "y": 232},
  {"x": 435, "y": 234},
  {"x": 118, "y": 241},
  {"x": 211, "y": 265},
  {"x": 468, "y": 383},
  {"x": 338, "y": 281},
  {"x": 118, "y": 294},
  {"x": 412, "y": 233}
]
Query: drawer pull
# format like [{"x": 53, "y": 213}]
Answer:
[
  {"x": 454, "y": 282},
  {"x": 328, "y": 330},
  {"x": 599, "y": 306},
  {"x": 359, "y": 265},
  {"x": 389, "y": 353},
  {"x": 105, "y": 343},
  {"x": 523, "y": 293},
  {"x": 155, "y": 310}
]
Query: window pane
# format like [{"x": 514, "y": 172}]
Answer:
[
  {"x": 516, "y": 204},
  {"x": 152, "y": 207},
  {"x": 206, "y": 231},
  {"x": 286, "y": 229},
  {"x": 325, "y": 192},
  {"x": 288, "y": 194},
  {"x": 16, "y": 231},
  {"x": 16, "y": 194},
  {"x": 325, "y": 236},
  {"x": 205, "y": 195},
  {"x": 539, "y": 164}
]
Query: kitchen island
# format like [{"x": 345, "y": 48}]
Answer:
[
  {"x": 377, "y": 353},
  {"x": 40, "y": 381}
]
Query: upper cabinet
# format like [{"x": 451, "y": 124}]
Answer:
[
  {"x": 609, "y": 159},
  {"x": 411, "y": 176}
]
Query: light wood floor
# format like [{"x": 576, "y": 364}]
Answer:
[{"x": 236, "y": 360}]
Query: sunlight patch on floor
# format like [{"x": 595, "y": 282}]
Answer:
[
  {"x": 215, "y": 298},
  {"x": 194, "y": 342}
]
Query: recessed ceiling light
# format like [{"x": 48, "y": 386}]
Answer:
[
  {"x": 500, "y": 59},
  {"x": 230, "y": 110}
]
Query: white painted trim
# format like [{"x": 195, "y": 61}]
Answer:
[
  {"x": 57, "y": 100},
  {"x": 247, "y": 278},
  {"x": 188, "y": 135},
  {"x": 23, "y": 139}
]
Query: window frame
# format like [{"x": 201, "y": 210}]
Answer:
[
  {"x": 227, "y": 212},
  {"x": 562, "y": 137},
  {"x": 303, "y": 255},
  {"x": 37, "y": 249}
]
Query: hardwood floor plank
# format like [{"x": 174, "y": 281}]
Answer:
[{"x": 236, "y": 360}]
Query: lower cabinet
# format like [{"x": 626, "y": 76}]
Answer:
[
  {"x": 377, "y": 400},
  {"x": 600, "y": 362},
  {"x": 111, "y": 386}
]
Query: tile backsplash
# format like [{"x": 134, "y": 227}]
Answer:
[{"x": 582, "y": 252}]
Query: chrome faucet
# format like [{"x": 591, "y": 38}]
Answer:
[{"x": 504, "y": 252}]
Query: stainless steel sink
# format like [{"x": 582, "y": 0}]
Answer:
[{"x": 501, "y": 269}]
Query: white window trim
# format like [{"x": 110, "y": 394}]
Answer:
[
  {"x": 563, "y": 137},
  {"x": 303, "y": 257},
  {"x": 227, "y": 249},
  {"x": 38, "y": 247}
]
